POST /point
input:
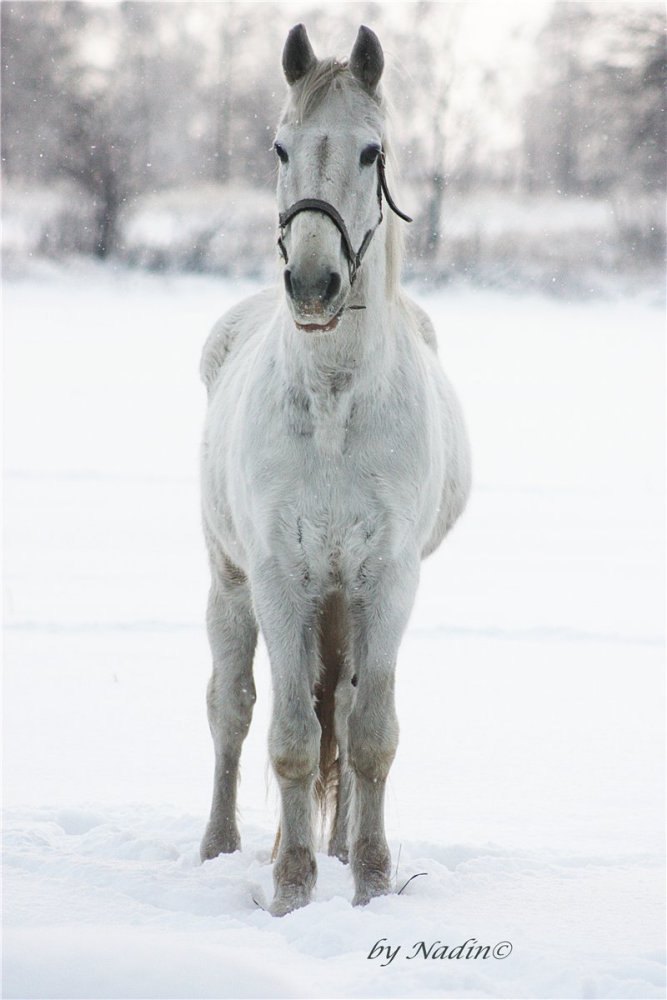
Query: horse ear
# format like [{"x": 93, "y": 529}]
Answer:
[
  {"x": 298, "y": 55},
  {"x": 367, "y": 59}
]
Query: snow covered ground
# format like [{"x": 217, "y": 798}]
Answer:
[{"x": 528, "y": 783}]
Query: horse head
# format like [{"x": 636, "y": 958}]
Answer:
[{"x": 331, "y": 174}]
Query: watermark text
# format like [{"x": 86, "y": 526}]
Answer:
[{"x": 471, "y": 949}]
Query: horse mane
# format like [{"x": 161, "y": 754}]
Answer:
[
  {"x": 326, "y": 74},
  {"x": 395, "y": 240},
  {"x": 306, "y": 96}
]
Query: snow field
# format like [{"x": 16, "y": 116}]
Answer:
[{"x": 528, "y": 782}]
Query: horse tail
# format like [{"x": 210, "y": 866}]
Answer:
[{"x": 332, "y": 650}]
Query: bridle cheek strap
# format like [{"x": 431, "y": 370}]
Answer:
[{"x": 354, "y": 258}]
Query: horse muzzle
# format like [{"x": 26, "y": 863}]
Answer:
[{"x": 315, "y": 296}]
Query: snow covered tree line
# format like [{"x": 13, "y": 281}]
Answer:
[{"x": 143, "y": 130}]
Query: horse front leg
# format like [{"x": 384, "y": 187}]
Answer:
[
  {"x": 232, "y": 632},
  {"x": 380, "y": 613},
  {"x": 288, "y": 623}
]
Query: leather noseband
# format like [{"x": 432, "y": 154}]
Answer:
[{"x": 354, "y": 257}]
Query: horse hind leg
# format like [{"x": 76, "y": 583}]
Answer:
[
  {"x": 232, "y": 632},
  {"x": 332, "y": 710},
  {"x": 339, "y": 841}
]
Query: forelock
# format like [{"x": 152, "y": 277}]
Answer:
[{"x": 326, "y": 76}]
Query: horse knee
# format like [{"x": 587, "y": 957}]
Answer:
[
  {"x": 371, "y": 752},
  {"x": 295, "y": 765},
  {"x": 295, "y": 758},
  {"x": 371, "y": 761},
  {"x": 230, "y": 704}
]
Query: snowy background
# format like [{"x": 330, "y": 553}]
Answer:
[
  {"x": 530, "y": 134},
  {"x": 529, "y": 781}
]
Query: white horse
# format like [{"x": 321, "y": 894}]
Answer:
[{"x": 334, "y": 459}]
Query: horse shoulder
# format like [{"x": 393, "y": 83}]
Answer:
[
  {"x": 233, "y": 328},
  {"x": 422, "y": 322}
]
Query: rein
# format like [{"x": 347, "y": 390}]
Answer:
[{"x": 354, "y": 258}]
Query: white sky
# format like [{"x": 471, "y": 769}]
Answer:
[
  {"x": 493, "y": 37},
  {"x": 485, "y": 24}
]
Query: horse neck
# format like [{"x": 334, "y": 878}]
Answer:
[{"x": 362, "y": 345}]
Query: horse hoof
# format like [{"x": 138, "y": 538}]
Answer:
[
  {"x": 340, "y": 851},
  {"x": 216, "y": 843},
  {"x": 286, "y": 900},
  {"x": 371, "y": 865},
  {"x": 365, "y": 893},
  {"x": 294, "y": 876}
]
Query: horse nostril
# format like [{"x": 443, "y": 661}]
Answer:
[
  {"x": 333, "y": 287},
  {"x": 288, "y": 283}
]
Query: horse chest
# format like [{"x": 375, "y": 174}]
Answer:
[
  {"x": 329, "y": 495},
  {"x": 334, "y": 527}
]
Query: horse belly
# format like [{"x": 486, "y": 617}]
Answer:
[{"x": 456, "y": 465}]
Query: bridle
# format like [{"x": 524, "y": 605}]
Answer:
[{"x": 354, "y": 258}]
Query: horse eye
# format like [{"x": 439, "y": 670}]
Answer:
[
  {"x": 281, "y": 151},
  {"x": 369, "y": 155}
]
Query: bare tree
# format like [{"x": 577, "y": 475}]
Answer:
[
  {"x": 430, "y": 69},
  {"x": 38, "y": 53},
  {"x": 594, "y": 119}
]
